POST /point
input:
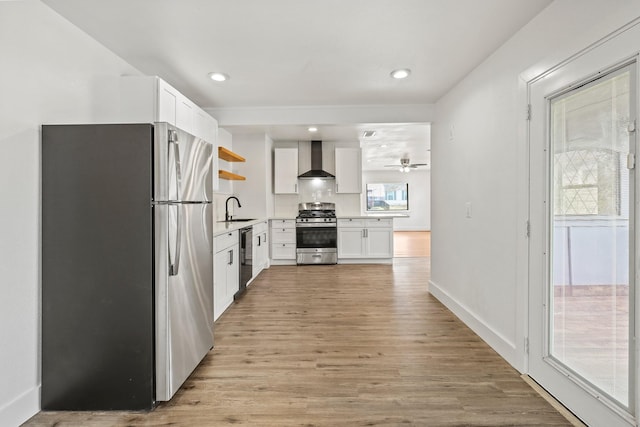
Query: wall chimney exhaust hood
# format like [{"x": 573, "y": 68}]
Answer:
[{"x": 316, "y": 163}]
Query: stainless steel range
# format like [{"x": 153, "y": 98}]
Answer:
[{"x": 316, "y": 233}]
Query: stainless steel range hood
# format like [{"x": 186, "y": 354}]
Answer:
[{"x": 316, "y": 163}]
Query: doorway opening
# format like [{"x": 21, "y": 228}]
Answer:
[{"x": 411, "y": 244}]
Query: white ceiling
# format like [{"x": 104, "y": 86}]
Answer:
[{"x": 306, "y": 52}]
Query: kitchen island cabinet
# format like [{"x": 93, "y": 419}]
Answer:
[{"x": 365, "y": 240}]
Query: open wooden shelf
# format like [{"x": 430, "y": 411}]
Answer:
[
  {"x": 229, "y": 155},
  {"x": 223, "y": 174}
]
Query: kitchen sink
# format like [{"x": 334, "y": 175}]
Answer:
[{"x": 239, "y": 220}]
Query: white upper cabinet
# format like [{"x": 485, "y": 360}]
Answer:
[
  {"x": 149, "y": 99},
  {"x": 348, "y": 170},
  {"x": 204, "y": 125},
  {"x": 165, "y": 110},
  {"x": 285, "y": 171},
  {"x": 185, "y": 119}
]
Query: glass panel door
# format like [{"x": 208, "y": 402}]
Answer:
[{"x": 590, "y": 217}]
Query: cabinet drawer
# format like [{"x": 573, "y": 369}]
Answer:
[
  {"x": 223, "y": 241},
  {"x": 351, "y": 222},
  {"x": 283, "y": 235},
  {"x": 379, "y": 222},
  {"x": 283, "y": 223},
  {"x": 283, "y": 251}
]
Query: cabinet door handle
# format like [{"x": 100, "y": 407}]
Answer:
[
  {"x": 295, "y": 188},
  {"x": 259, "y": 240},
  {"x": 231, "y": 257}
]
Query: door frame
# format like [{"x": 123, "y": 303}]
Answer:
[{"x": 621, "y": 39}]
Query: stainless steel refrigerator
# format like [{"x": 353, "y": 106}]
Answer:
[{"x": 127, "y": 263}]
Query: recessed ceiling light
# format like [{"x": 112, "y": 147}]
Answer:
[
  {"x": 383, "y": 146},
  {"x": 218, "y": 77},
  {"x": 369, "y": 133},
  {"x": 401, "y": 73},
  {"x": 313, "y": 129}
]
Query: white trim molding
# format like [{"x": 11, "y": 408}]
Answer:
[
  {"x": 498, "y": 342},
  {"x": 21, "y": 408}
]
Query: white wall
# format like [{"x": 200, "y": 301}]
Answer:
[
  {"x": 479, "y": 156},
  {"x": 256, "y": 192},
  {"x": 419, "y": 181},
  {"x": 48, "y": 74}
]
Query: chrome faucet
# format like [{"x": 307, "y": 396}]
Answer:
[{"x": 227, "y": 217}]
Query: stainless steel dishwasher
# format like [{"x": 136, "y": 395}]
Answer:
[{"x": 246, "y": 261}]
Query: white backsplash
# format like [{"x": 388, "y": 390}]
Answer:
[
  {"x": 316, "y": 190},
  {"x": 309, "y": 190}
]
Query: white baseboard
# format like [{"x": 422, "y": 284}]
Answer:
[
  {"x": 499, "y": 343},
  {"x": 20, "y": 409}
]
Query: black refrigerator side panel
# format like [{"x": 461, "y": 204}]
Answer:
[{"x": 97, "y": 267}]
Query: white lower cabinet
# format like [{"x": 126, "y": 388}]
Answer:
[
  {"x": 226, "y": 280},
  {"x": 283, "y": 241},
  {"x": 351, "y": 242},
  {"x": 361, "y": 239},
  {"x": 260, "y": 248}
]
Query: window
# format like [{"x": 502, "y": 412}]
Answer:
[
  {"x": 590, "y": 131},
  {"x": 388, "y": 197}
]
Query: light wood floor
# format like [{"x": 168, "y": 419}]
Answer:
[
  {"x": 341, "y": 346},
  {"x": 411, "y": 243}
]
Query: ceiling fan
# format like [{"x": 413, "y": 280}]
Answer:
[{"x": 405, "y": 165}]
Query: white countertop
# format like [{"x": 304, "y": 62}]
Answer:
[
  {"x": 397, "y": 215},
  {"x": 220, "y": 228}
]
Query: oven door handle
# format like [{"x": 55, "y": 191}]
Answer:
[{"x": 317, "y": 225}]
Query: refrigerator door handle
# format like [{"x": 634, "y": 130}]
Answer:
[
  {"x": 208, "y": 235},
  {"x": 174, "y": 265},
  {"x": 173, "y": 141}
]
